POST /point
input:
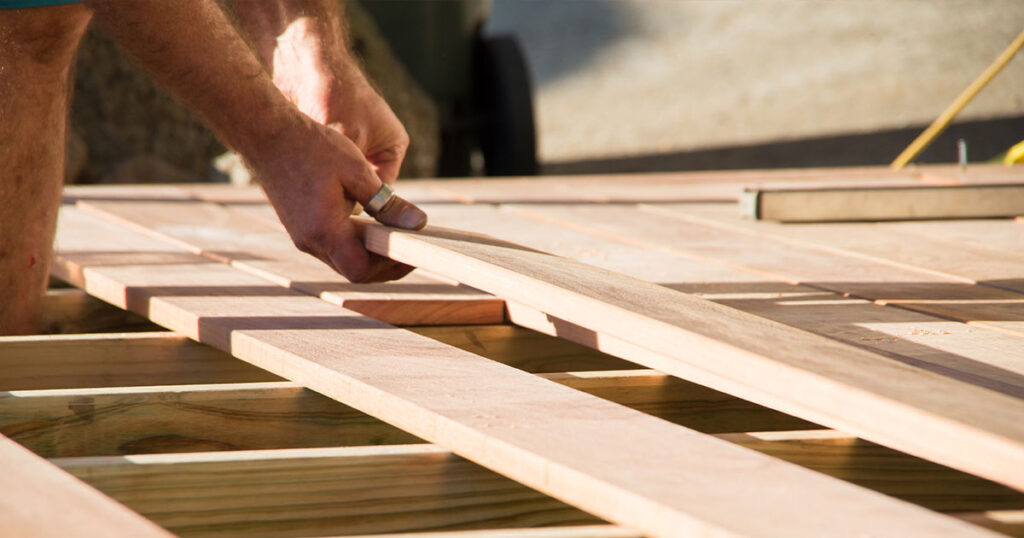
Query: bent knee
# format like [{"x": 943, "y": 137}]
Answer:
[{"x": 47, "y": 36}]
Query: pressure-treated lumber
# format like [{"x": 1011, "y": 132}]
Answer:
[
  {"x": 186, "y": 418},
  {"x": 909, "y": 409},
  {"x": 74, "y": 311},
  {"x": 627, "y": 467},
  {"x": 582, "y": 531},
  {"x": 524, "y": 349},
  {"x": 250, "y": 416},
  {"x": 303, "y": 492},
  {"x": 39, "y": 500},
  {"x": 882, "y": 469},
  {"x": 65, "y": 361}
]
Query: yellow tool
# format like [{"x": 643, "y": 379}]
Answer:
[{"x": 940, "y": 123}]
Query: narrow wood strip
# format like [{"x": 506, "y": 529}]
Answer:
[
  {"x": 834, "y": 204},
  {"x": 261, "y": 247},
  {"x": 583, "y": 531},
  {"x": 909, "y": 409},
  {"x": 185, "y": 418},
  {"x": 74, "y": 311},
  {"x": 319, "y": 491},
  {"x": 39, "y": 500},
  {"x": 116, "y": 360},
  {"x": 627, "y": 467}
]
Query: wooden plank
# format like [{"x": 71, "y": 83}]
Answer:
[
  {"x": 582, "y": 531},
  {"x": 74, "y": 311},
  {"x": 909, "y": 409},
  {"x": 837, "y": 204},
  {"x": 522, "y": 348},
  {"x": 872, "y": 276},
  {"x": 740, "y": 271},
  {"x": 302, "y": 492},
  {"x": 116, "y": 360},
  {"x": 620, "y": 464},
  {"x": 39, "y": 500},
  {"x": 261, "y": 247},
  {"x": 250, "y": 416},
  {"x": 185, "y": 418},
  {"x": 882, "y": 469},
  {"x": 679, "y": 401}
]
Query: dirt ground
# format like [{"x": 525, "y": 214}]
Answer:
[{"x": 625, "y": 77}]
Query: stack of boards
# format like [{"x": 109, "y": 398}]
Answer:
[{"x": 605, "y": 356}]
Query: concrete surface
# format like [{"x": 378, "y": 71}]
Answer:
[{"x": 629, "y": 77}]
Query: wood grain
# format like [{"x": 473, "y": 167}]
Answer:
[
  {"x": 116, "y": 360},
  {"x": 39, "y": 500},
  {"x": 302, "y": 492},
  {"x": 74, "y": 311},
  {"x": 967, "y": 427},
  {"x": 185, "y": 418},
  {"x": 623, "y": 465}
]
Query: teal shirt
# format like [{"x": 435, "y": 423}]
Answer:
[{"x": 18, "y": 4}]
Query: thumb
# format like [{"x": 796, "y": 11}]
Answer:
[{"x": 401, "y": 213}]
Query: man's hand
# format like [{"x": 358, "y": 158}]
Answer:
[
  {"x": 312, "y": 183},
  {"x": 303, "y": 44}
]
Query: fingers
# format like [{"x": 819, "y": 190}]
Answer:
[
  {"x": 402, "y": 213},
  {"x": 387, "y": 163}
]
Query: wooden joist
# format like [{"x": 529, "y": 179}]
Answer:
[
  {"x": 321, "y": 491},
  {"x": 115, "y": 360},
  {"x": 37, "y": 499},
  {"x": 836, "y": 204},
  {"x": 680, "y": 481}
]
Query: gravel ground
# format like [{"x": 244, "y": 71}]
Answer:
[{"x": 627, "y": 77}]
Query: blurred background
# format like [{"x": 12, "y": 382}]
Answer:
[{"x": 603, "y": 86}]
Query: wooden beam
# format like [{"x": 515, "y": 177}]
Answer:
[
  {"x": 251, "y": 416},
  {"x": 968, "y": 428},
  {"x": 74, "y": 311},
  {"x": 679, "y": 401},
  {"x": 882, "y": 469},
  {"x": 837, "y": 204},
  {"x": 116, "y": 360},
  {"x": 522, "y": 348},
  {"x": 186, "y": 418},
  {"x": 319, "y": 491},
  {"x": 625, "y": 466},
  {"x": 39, "y": 500},
  {"x": 583, "y": 531}
]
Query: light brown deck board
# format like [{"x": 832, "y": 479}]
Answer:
[{"x": 493, "y": 414}]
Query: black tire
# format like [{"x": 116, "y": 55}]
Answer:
[{"x": 504, "y": 100}]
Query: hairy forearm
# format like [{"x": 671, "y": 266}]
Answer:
[
  {"x": 270, "y": 23},
  {"x": 194, "y": 50}
]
